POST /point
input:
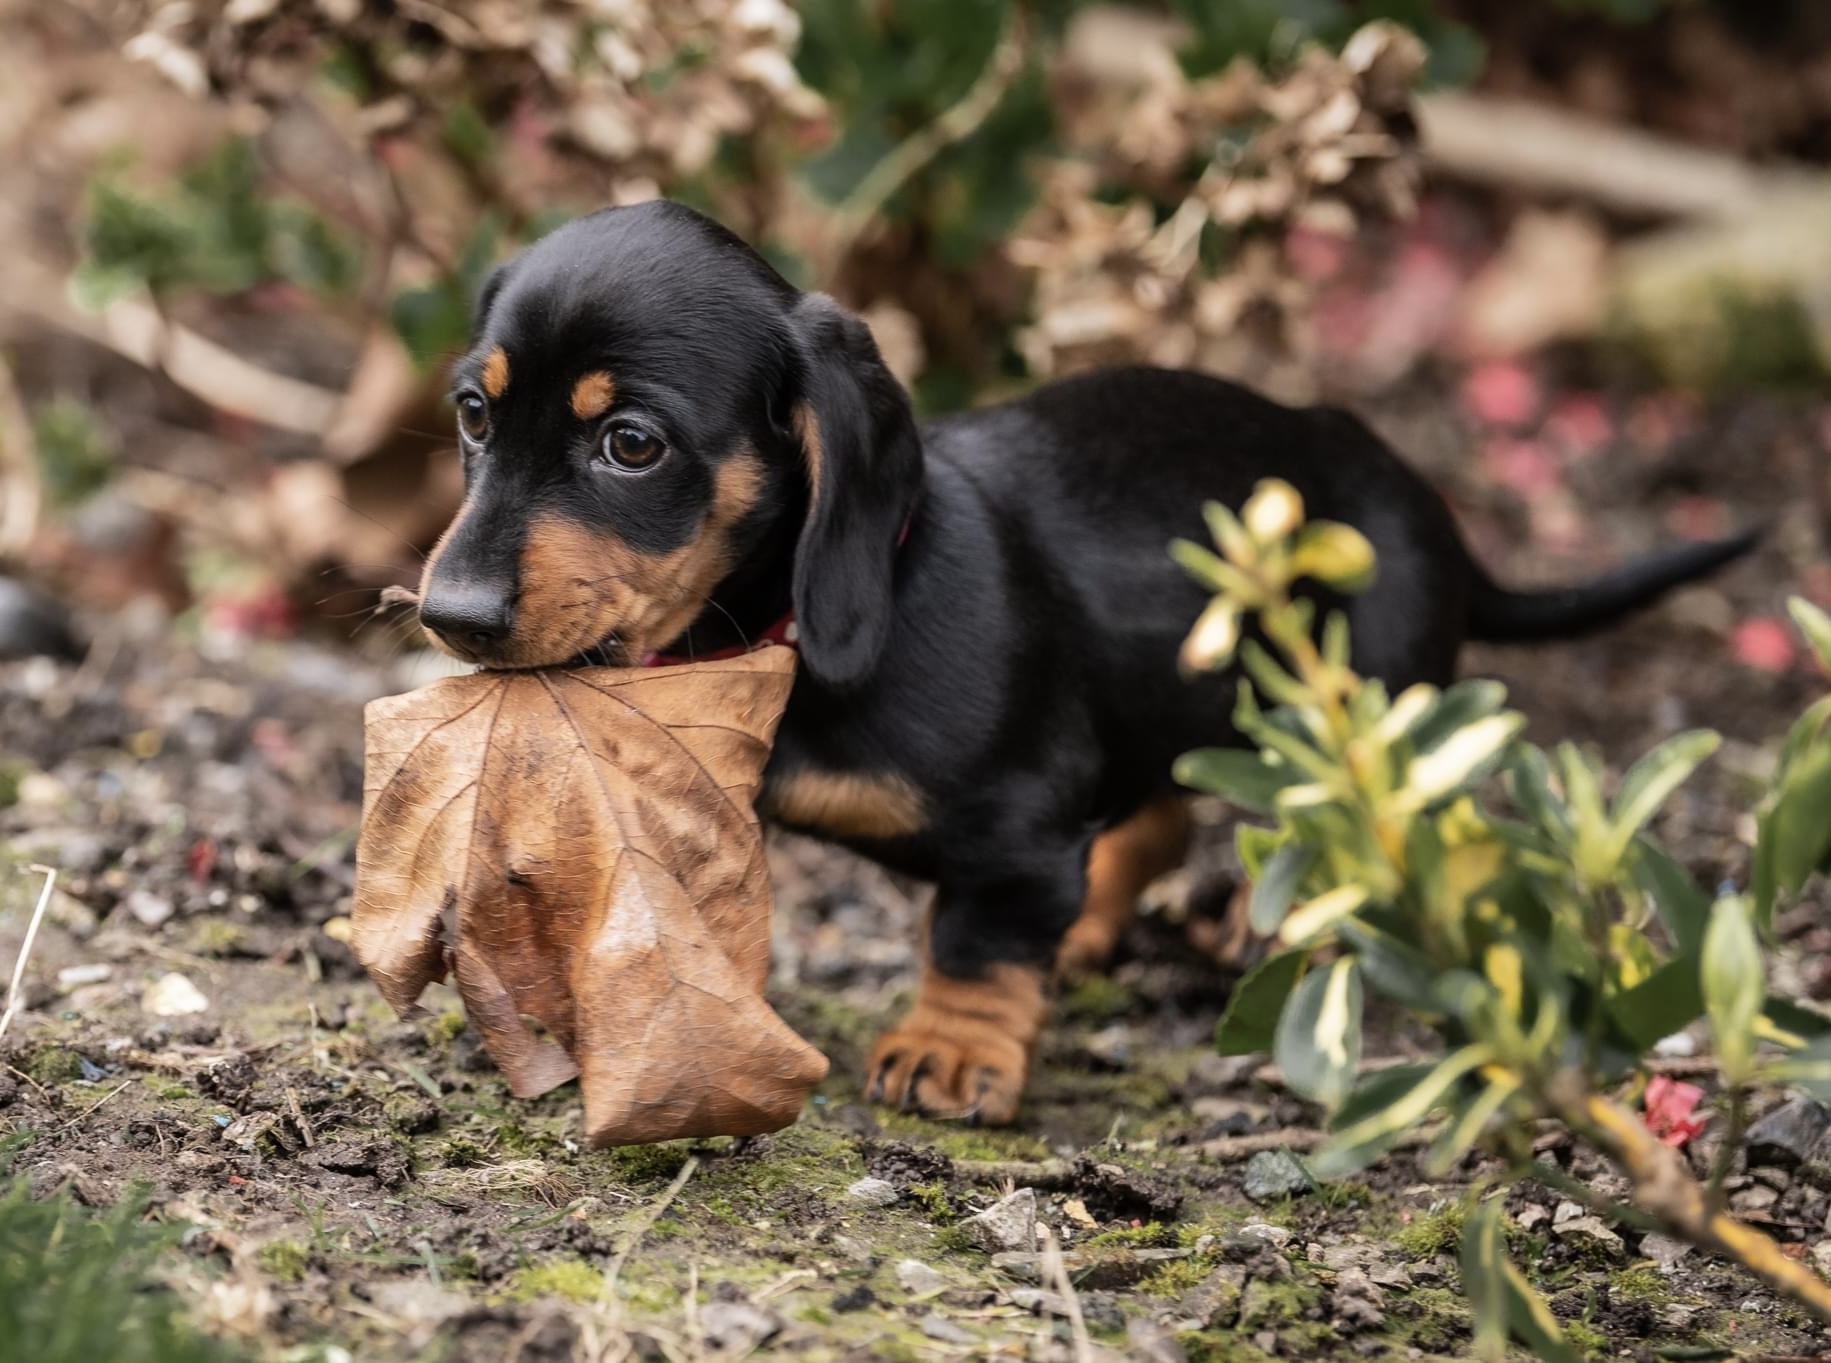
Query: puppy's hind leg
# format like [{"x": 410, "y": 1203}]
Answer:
[{"x": 1123, "y": 861}]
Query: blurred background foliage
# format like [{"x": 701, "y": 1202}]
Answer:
[{"x": 278, "y": 212}]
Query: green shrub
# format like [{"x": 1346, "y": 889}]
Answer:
[{"x": 1520, "y": 937}]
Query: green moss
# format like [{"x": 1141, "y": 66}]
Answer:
[
  {"x": 1177, "y": 1277},
  {"x": 814, "y": 1315},
  {"x": 569, "y": 1279},
  {"x": 1434, "y": 1233},
  {"x": 165, "y": 1090},
  {"x": 1098, "y": 998},
  {"x": 1151, "y": 1235},
  {"x": 1640, "y": 1284},
  {"x": 446, "y": 1028},
  {"x": 283, "y": 1259},
  {"x": 217, "y": 937},
  {"x": 646, "y": 1163},
  {"x": 933, "y": 1200},
  {"x": 54, "y": 1065},
  {"x": 1434, "y": 1319},
  {"x": 953, "y": 1240},
  {"x": 1585, "y": 1337},
  {"x": 462, "y": 1153}
]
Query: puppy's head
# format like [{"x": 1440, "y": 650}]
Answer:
[{"x": 647, "y": 414}]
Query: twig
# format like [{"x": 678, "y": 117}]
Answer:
[
  {"x": 25, "y": 947},
  {"x": 649, "y": 1219},
  {"x": 1057, "y": 1273},
  {"x": 955, "y": 124},
  {"x": 1522, "y": 144},
  {"x": 23, "y": 493},
  {"x": 298, "y": 1117},
  {"x": 78, "y": 1119},
  {"x": 1664, "y": 1186},
  {"x": 134, "y": 328}
]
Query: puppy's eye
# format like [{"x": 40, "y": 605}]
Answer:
[
  {"x": 631, "y": 447},
  {"x": 473, "y": 415}
]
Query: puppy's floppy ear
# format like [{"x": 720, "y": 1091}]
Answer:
[
  {"x": 865, "y": 472},
  {"x": 486, "y": 299}
]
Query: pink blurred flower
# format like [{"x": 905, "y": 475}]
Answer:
[
  {"x": 1525, "y": 466},
  {"x": 1699, "y": 518},
  {"x": 1763, "y": 643},
  {"x": 1671, "y": 1110},
  {"x": 1500, "y": 393},
  {"x": 1315, "y": 253},
  {"x": 1579, "y": 425}
]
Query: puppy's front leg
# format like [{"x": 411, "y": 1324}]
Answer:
[{"x": 963, "y": 1049}]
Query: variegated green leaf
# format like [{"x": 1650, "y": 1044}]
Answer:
[
  {"x": 1651, "y": 780},
  {"x": 1322, "y": 913},
  {"x": 1249, "y": 1023},
  {"x": 1460, "y": 758},
  {"x": 1318, "y": 1043},
  {"x": 1240, "y": 776},
  {"x": 1815, "y": 625},
  {"x": 1358, "y": 1144},
  {"x": 1734, "y": 981},
  {"x": 1276, "y": 886}
]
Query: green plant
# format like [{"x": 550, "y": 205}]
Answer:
[
  {"x": 79, "y": 1286},
  {"x": 1520, "y": 937}
]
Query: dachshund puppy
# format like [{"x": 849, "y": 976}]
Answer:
[{"x": 670, "y": 453}]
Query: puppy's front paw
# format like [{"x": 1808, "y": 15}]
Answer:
[{"x": 963, "y": 1051}]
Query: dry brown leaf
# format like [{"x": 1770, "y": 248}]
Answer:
[{"x": 579, "y": 848}]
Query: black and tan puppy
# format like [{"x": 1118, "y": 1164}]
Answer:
[{"x": 670, "y": 451}]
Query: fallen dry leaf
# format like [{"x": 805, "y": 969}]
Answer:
[{"x": 579, "y": 849}]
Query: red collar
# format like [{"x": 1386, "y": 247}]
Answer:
[{"x": 784, "y": 632}]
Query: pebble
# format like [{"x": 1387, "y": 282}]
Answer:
[
  {"x": 1260, "y": 1230},
  {"x": 1007, "y": 1226},
  {"x": 1786, "y": 1135},
  {"x": 918, "y": 1279},
  {"x": 75, "y": 976},
  {"x": 939, "y": 1327},
  {"x": 736, "y": 1327},
  {"x": 874, "y": 1192},
  {"x": 1663, "y": 1250},
  {"x": 173, "y": 995},
  {"x": 1275, "y": 1174},
  {"x": 1039, "y": 1302},
  {"x": 1110, "y": 1046},
  {"x": 1356, "y": 1301},
  {"x": 149, "y": 909},
  {"x": 1590, "y": 1228}
]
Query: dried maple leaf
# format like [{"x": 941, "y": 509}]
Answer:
[{"x": 579, "y": 849}]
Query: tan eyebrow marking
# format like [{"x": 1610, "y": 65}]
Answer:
[
  {"x": 496, "y": 372},
  {"x": 593, "y": 394}
]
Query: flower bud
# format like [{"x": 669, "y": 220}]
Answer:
[
  {"x": 1336, "y": 555},
  {"x": 1211, "y": 643},
  {"x": 1274, "y": 511}
]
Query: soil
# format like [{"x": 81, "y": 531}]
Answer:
[{"x": 364, "y": 1182}]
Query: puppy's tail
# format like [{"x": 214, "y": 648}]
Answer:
[{"x": 1500, "y": 616}]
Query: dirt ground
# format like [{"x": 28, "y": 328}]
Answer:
[{"x": 364, "y": 1184}]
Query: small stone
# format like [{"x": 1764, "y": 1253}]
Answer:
[
  {"x": 1591, "y": 1229},
  {"x": 1786, "y": 1135},
  {"x": 860, "y": 1298},
  {"x": 1110, "y": 1045},
  {"x": 1007, "y": 1226},
  {"x": 1678, "y": 1046},
  {"x": 1395, "y": 1276},
  {"x": 1039, "y": 1302},
  {"x": 918, "y": 1279},
  {"x": 939, "y": 1327},
  {"x": 1150, "y": 1342},
  {"x": 874, "y": 1192},
  {"x": 1532, "y": 1216},
  {"x": 76, "y": 976},
  {"x": 148, "y": 908},
  {"x": 1754, "y": 1199},
  {"x": 1266, "y": 1341},
  {"x": 1356, "y": 1302},
  {"x": 1663, "y": 1250},
  {"x": 736, "y": 1327},
  {"x": 1261, "y": 1230},
  {"x": 1275, "y": 1174},
  {"x": 173, "y": 995},
  {"x": 1567, "y": 1211}
]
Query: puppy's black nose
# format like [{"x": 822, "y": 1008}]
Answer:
[{"x": 473, "y": 615}]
